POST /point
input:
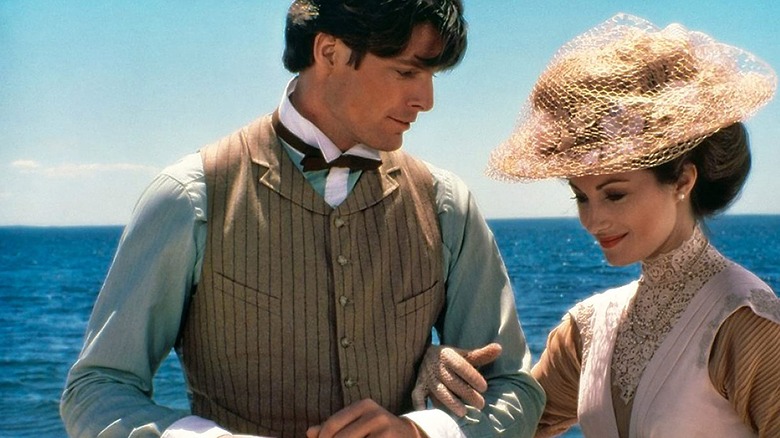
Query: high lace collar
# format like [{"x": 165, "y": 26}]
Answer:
[
  {"x": 668, "y": 284},
  {"x": 678, "y": 262}
]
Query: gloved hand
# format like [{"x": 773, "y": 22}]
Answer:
[{"x": 449, "y": 376}]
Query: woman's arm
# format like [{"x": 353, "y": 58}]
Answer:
[
  {"x": 558, "y": 371},
  {"x": 745, "y": 368}
]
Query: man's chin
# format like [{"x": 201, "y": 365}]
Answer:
[{"x": 389, "y": 145}]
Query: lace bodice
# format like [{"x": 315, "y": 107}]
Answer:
[{"x": 667, "y": 285}]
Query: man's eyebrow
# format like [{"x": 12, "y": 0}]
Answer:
[
  {"x": 412, "y": 62},
  {"x": 418, "y": 62}
]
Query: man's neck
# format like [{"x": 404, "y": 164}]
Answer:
[
  {"x": 298, "y": 114},
  {"x": 308, "y": 100}
]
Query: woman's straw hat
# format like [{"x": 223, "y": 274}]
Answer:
[{"x": 627, "y": 95}]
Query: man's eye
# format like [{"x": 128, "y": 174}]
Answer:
[{"x": 406, "y": 73}]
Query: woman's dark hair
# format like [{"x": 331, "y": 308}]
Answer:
[
  {"x": 380, "y": 27},
  {"x": 722, "y": 162}
]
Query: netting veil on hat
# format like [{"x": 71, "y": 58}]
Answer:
[{"x": 627, "y": 95}]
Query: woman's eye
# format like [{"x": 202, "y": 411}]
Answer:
[
  {"x": 579, "y": 199},
  {"x": 615, "y": 196},
  {"x": 406, "y": 73}
]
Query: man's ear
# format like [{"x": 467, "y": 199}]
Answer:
[{"x": 326, "y": 50}]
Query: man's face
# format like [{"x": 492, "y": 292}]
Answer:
[{"x": 376, "y": 103}]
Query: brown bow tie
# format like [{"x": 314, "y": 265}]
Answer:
[{"x": 312, "y": 157}]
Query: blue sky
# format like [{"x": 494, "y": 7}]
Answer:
[{"x": 97, "y": 97}]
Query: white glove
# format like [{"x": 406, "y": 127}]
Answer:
[{"x": 449, "y": 376}]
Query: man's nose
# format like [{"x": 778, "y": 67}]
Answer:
[{"x": 422, "y": 95}]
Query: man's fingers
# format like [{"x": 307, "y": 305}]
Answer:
[
  {"x": 341, "y": 420},
  {"x": 365, "y": 418}
]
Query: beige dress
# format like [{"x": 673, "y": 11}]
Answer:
[{"x": 741, "y": 364}]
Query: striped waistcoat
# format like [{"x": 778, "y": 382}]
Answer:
[{"x": 303, "y": 309}]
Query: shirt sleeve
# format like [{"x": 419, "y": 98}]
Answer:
[
  {"x": 136, "y": 317},
  {"x": 558, "y": 371},
  {"x": 480, "y": 308},
  {"x": 744, "y": 369},
  {"x": 194, "y": 427}
]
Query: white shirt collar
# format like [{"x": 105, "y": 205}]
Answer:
[{"x": 310, "y": 134}]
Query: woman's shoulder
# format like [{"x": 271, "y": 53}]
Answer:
[
  {"x": 598, "y": 300},
  {"x": 583, "y": 314},
  {"x": 736, "y": 275},
  {"x": 742, "y": 288}
]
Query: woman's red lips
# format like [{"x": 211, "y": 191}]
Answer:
[{"x": 609, "y": 242}]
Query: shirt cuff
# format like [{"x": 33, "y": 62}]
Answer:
[
  {"x": 436, "y": 423},
  {"x": 194, "y": 427}
]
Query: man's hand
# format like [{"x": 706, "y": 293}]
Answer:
[
  {"x": 449, "y": 375},
  {"x": 364, "y": 419}
]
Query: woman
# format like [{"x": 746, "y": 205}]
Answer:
[{"x": 645, "y": 124}]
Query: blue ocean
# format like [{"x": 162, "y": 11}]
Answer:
[{"x": 49, "y": 278}]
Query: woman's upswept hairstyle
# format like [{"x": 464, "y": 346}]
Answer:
[
  {"x": 722, "y": 163},
  {"x": 380, "y": 27}
]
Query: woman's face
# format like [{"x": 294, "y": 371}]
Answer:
[{"x": 633, "y": 216}]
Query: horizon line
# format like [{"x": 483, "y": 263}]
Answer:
[{"x": 489, "y": 219}]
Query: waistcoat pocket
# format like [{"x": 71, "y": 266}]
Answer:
[
  {"x": 420, "y": 300},
  {"x": 249, "y": 295}
]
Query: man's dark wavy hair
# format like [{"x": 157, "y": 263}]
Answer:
[{"x": 380, "y": 27}]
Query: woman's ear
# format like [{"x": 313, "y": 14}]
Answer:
[{"x": 687, "y": 180}]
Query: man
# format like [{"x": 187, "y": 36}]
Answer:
[{"x": 299, "y": 265}]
